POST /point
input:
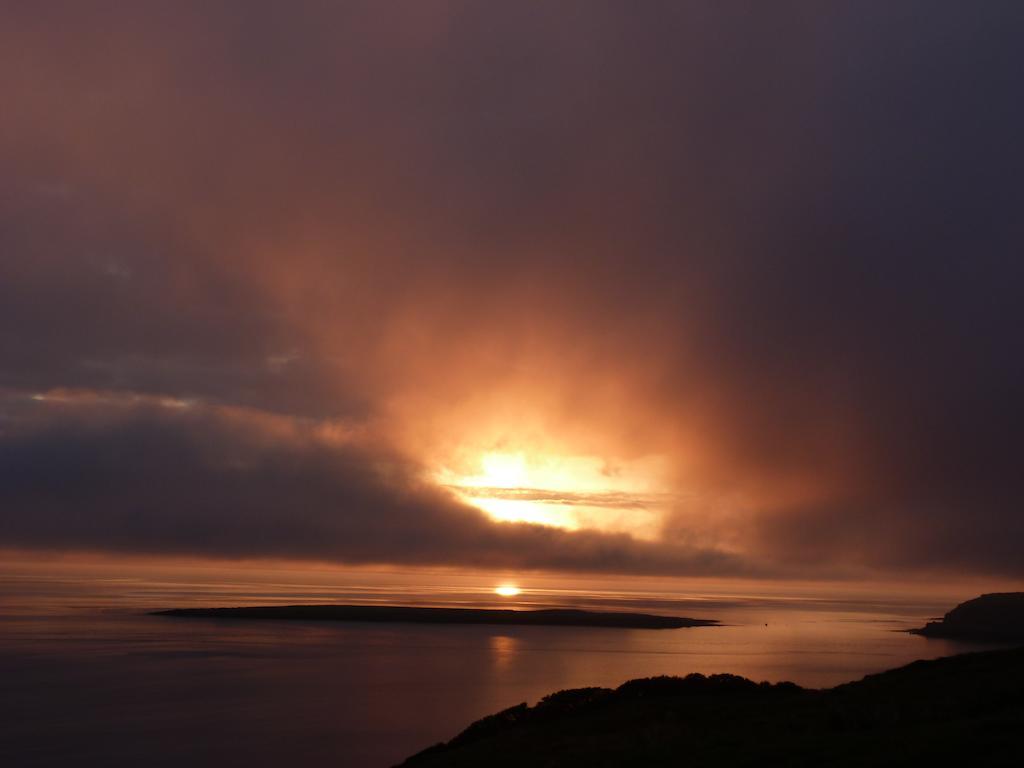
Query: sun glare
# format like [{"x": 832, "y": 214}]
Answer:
[
  {"x": 500, "y": 470},
  {"x": 570, "y": 492},
  {"x": 507, "y": 590}
]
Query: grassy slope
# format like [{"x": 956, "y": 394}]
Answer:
[{"x": 966, "y": 710}]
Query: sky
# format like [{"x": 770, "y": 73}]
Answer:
[{"x": 669, "y": 288}]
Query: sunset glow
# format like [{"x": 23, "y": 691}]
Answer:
[
  {"x": 500, "y": 470},
  {"x": 368, "y": 366},
  {"x": 500, "y": 311},
  {"x": 568, "y": 492}
]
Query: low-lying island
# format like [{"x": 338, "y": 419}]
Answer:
[{"x": 559, "y": 617}]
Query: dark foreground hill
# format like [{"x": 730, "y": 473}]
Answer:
[
  {"x": 392, "y": 613},
  {"x": 963, "y": 710},
  {"x": 997, "y": 617}
]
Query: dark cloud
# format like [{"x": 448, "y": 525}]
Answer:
[
  {"x": 778, "y": 245},
  {"x": 109, "y": 473}
]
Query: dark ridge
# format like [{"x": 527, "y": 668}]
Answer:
[
  {"x": 962, "y": 710},
  {"x": 387, "y": 613},
  {"x": 996, "y": 617}
]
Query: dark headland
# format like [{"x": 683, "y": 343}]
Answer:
[
  {"x": 996, "y": 617},
  {"x": 963, "y": 710},
  {"x": 386, "y": 613}
]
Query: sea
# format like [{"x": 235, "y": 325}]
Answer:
[{"x": 89, "y": 678}]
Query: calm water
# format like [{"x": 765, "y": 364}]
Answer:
[{"x": 89, "y": 679}]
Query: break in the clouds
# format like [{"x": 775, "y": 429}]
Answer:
[{"x": 760, "y": 263}]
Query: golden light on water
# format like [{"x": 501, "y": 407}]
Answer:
[{"x": 507, "y": 590}]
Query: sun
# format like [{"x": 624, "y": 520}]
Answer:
[{"x": 507, "y": 590}]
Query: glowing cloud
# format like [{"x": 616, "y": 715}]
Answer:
[{"x": 569, "y": 492}]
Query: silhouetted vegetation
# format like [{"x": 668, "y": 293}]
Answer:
[
  {"x": 996, "y": 617},
  {"x": 391, "y": 613},
  {"x": 966, "y": 710}
]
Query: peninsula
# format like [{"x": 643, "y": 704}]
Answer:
[
  {"x": 996, "y": 617},
  {"x": 562, "y": 617}
]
